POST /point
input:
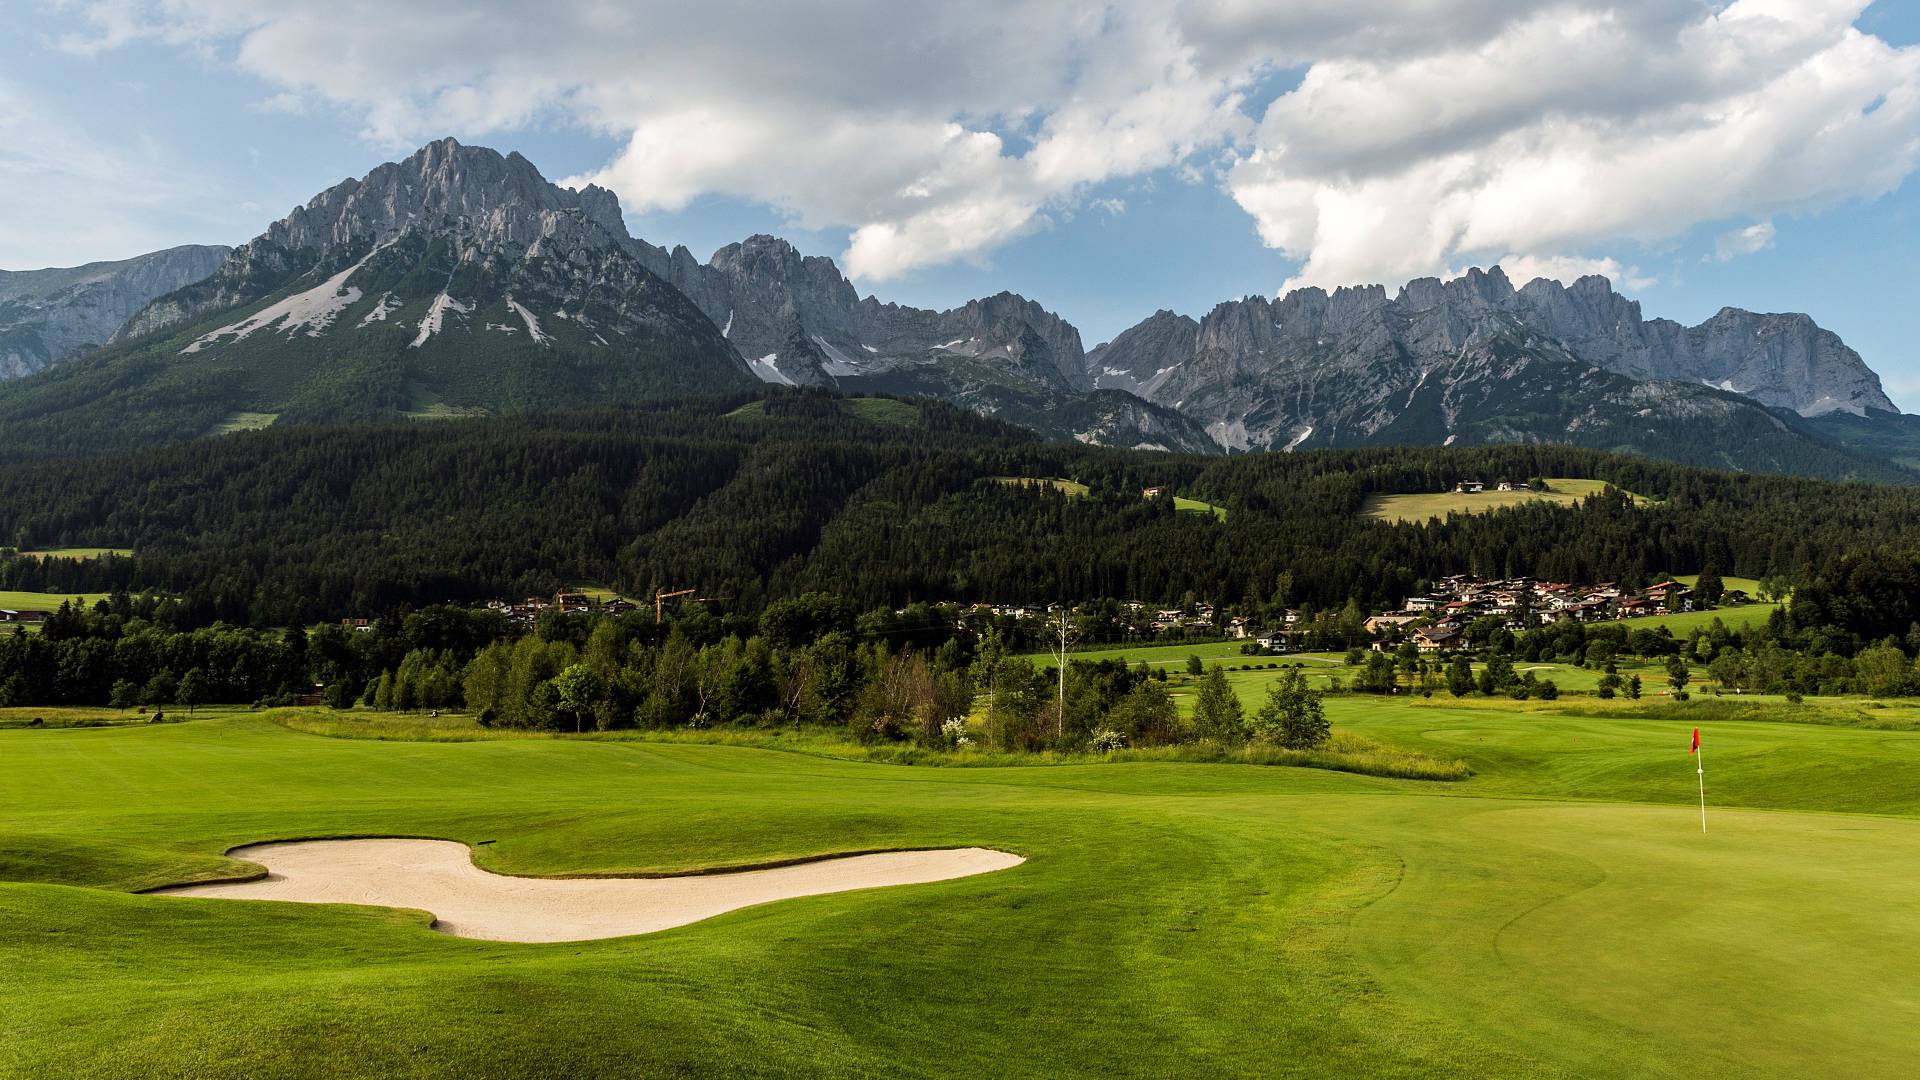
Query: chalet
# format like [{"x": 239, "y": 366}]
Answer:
[
  {"x": 1671, "y": 596},
  {"x": 1152, "y": 492},
  {"x": 572, "y": 602},
  {"x": 1505, "y": 485},
  {"x": 1469, "y": 487},
  {"x": 1290, "y": 617},
  {"x": 1390, "y": 620},
  {"x": 9, "y": 615},
  {"x": 1433, "y": 639},
  {"x": 361, "y": 625},
  {"x": 1585, "y": 610},
  {"x": 1426, "y": 603},
  {"x": 618, "y": 606}
]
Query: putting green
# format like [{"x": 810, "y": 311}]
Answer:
[{"x": 1559, "y": 914}]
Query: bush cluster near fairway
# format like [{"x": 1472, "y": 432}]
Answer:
[
  {"x": 1417, "y": 508},
  {"x": 1358, "y": 926}
]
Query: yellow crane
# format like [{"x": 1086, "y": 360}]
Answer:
[{"x": 660, "y": 598}]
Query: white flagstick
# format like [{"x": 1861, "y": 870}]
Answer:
[{"x": 1700, "y": 767}]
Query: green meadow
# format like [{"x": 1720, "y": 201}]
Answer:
[
  {"x": 1559, "y": 913},
  {"x": 36, "y": 601},
  {"x": 1417, "y": 508},
  {"x": 75, "y": 552}
]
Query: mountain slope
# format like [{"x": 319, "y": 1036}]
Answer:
[
  {"x": 798, "y": 322},
  {"x": 455, "y": 281},
  {"x": 48, "y": 315}
]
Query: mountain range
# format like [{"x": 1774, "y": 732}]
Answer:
[
  {"x": 49, "y": 315},
  {"x": 459, "y": 281}
]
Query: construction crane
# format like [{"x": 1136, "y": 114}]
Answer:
[{"x": 660, "y": 598}]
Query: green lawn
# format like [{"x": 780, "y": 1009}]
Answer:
[
  {"x": 1416, "y": 508},
  {"x": 1558, "y": 914}
]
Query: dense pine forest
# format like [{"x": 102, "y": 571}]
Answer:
[{"x": 882, "y": 502}]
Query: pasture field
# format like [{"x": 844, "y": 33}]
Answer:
[
  {"x": 1682, "y": 623},
  {"x": 244, "y": 421},
  {"x": 1195, "y": 506},
  {"x": 1750, "y": 586},
  {"x": 35, "y": 601},
  {"x": 75, "y": 552},
  {"x": 1068, "y": 487},
  {"x": 1416, "y": 508},
  {"x": 1171, "y": 918}
]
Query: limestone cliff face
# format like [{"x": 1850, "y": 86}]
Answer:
[
  {"x": 1356, "y": 365},
  {"x": 49, "y": 315},
  {"x": 797, "y": 321}
]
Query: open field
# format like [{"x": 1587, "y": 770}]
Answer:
[
  {"x": 1682, "y": 623},
  {"x": 1419, "y": 507},
  {"x": 1069, "y": 487},
  {"x": 1195, "y": 506},
  {"x": 34, "y": 601},
  {"x": 1750, "y": 586},
  {"x": 244, "y": 421},
  {"x": 75, "y": 552},
  {"x": 1358, "y": 926}
]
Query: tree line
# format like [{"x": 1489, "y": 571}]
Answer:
[{"x": 802, "y": 495}]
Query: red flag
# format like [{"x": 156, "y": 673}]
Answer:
[{"x": 1695, "y": 748}]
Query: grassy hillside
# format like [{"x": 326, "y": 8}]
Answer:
[{"x": 1358, "y": 926}]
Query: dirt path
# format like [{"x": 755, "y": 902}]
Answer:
[{"x": 439, "y": 876}]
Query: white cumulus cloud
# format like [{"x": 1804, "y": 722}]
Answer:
[
  {"x": 1412, "y": 136},
  {"x": 1754, "y": 238}
]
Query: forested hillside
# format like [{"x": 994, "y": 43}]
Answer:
[{"x": 882, "y": 502}]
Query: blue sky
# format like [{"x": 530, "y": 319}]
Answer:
[{"x": 132, "y": 136}]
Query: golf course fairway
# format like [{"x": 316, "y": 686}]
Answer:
[{"x": 1560, "y": 913}]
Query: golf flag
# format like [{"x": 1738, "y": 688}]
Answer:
[{"x": 1700, "y": 770}]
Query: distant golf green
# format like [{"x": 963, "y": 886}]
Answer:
[{"x": 1558, "y": 914}]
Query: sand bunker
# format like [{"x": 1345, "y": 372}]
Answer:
[{"x": 439, "y": 876}]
